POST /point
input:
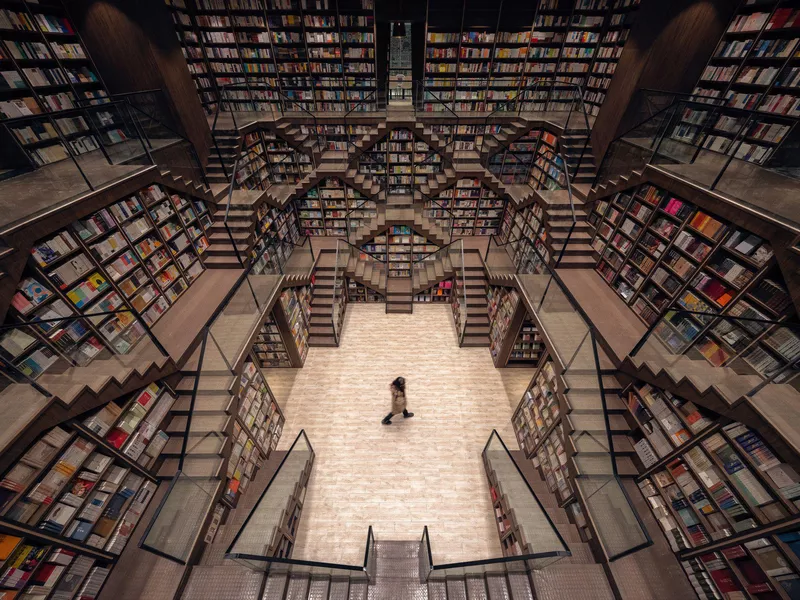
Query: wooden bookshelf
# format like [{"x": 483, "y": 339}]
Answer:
[
  {"x": 539, "y": 410},
  {"x": 399, "y": 245},
  {"x": 518, "y": 227},
  {"x": 282, "y": 539},
  {"x": 324, "y": 208},
  {"x": 486, "y": 57},
  {"x": 45, "y": 69},
  {"x": 707, "y": 479},
  {"x": 551, "y": 460},
  {"x": 528, "y": 348},
  {"x": 283, "y": 339},
  {"x": 284, "y": 45},
  {"x": 657, "y": 251},
  {"x": 76, "y": 487},
  {"x": 751, "y": 68},
  {"x": 439, "y": 293},
  {"x": 476, "y": 210},
  {"x": 357, "y": 292},
  {"x": 140, "y": 254}
]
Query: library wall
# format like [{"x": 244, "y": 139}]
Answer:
[
  {"x": 135, "y": 48},
  {"x": 667, "y": 49}
]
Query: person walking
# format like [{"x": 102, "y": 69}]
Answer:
[{"x": 398, "y": 390}]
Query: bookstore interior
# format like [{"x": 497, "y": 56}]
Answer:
[{"x": 571, "y": 226}]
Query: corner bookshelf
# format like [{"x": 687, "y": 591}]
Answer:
[
  {"x": 706, "y": 479},
  {"x": 439, "y": 293},
  {"x": 139, "y": 254},
  {"x": 752, "y": 68},
  {"x": 657, "y": 250},
  {"x": 283, "y": 338},
  {"x": 357, "y": 292},
  {"x": 315, "y": 55}
]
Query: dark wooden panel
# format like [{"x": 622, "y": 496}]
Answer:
[
  {"x": 135, "y": 48},
  {"x": 668, "y": 47}
]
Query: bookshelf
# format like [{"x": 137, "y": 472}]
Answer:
[
  {"x": 357, "y": 292},
  {"x": 256, "y": 431},
  {"x": 315, "y": 55},
  {"x": 400, "y": 161},
  {"x": 478, "y": 60},
  {"x": 528, "y": 347},
  {"x": 538, "y": 411},
  {"x": 752, "y": 68},
  {"x": 399, "y": 245},
  {"x": 324, "y": 208},
  {"x": 32, "y": 568},
  {"x": 269, "y": 347},
  {"x": 519, "y": 226},
  {"x": 476, "y": 210},
  {"x": 45, "y": 68},
  {"x": 139, "y": 254},
  {"x": 551, "y": 460},
  {"x": 134, "y": 425},
  {"x": 707, "y": 478},
  {"x": 501, "y": 305},
  {"x": 438, "y": 293},
  {"x": 73, "y": 486},
  {"x": 657, "y": 250}
]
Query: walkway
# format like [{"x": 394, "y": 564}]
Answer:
[{"x": 424, "y": 471}]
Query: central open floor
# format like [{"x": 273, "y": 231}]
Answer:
[{"x": 422, "y": 471}]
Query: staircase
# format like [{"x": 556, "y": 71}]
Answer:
[
  {"x": 321, "y": 326},
  {"x": 400, "y": 212},
  {"x": 557, "y": 218},
  {"x": 211, "y": 420},
  {"x": 242, "y": 218},
  {"x": 508, "y": 134},
  {"x": 582, "y": 169},
  {"x": 300, "y": 138},
  {"x": 476, "y": 333},
  {"x": 222, "y": 156}
]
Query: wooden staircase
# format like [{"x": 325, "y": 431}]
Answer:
[
  {"x": 582, "y": 168},
  {"x": 208, "y": 434},
  {"x": 321, "y": 326},
  {"x": 476, "y": 333},
  {"x": 222, "y": 156},
  {"x": 388, "y": 216},
  {"x": 242, "y": 218},
  {"x": 508, "y": 134},
  {"x": 557, "y": 218}
]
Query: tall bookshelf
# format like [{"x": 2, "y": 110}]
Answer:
[
  {"x": 531, "y": 159},
  {"x": 305, "y": 54},
  {"x": 706, "y": 479},
  {"x": 519, "y": 226},
  {"x": 258, "y": 427},
  {"x": 479, "y": 59},
  {"x": 752, "y": 68},
  {"x": 476, "y": 210},
  {"x": 439, "y": 293},
  {"x": 657, "y": 250},
  {"x": 357, "y": 292},
  {"x": 140, "y": 254}
]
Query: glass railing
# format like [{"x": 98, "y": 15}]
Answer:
[
  {"x": 538, "y": 542},
  {"x": 341, "y": 259},
  {"x": 56, "y": 157},
  {"x": 574, "y": 347},
  {"x": 743, "y": 353},
  {"x": 200, "y": 465},
  {"x": 716, "y": 147}
]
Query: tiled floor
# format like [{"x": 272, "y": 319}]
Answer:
[{"x": 423, "y": 471}]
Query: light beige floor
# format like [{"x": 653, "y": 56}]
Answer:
[{"x": 423, "y": 471}]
